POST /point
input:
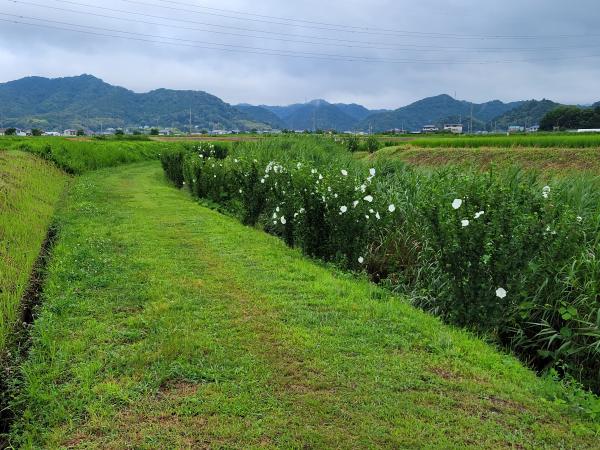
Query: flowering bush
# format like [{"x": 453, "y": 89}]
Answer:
[{"x": 498, "y": 252}]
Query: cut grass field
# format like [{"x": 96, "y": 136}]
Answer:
[
  {"x": 168, "y": 325},
  {"x": 551, "y": 160},
  {"x": 29, "y": 192}
]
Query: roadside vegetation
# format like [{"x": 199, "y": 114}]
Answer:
[
  {"x": 506, "y": 253},
  {"x": 168, "y": 325}
]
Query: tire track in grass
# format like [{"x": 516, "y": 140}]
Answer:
[{"x": 167, "y": 325}]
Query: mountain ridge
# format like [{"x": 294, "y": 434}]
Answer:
[{"x": 85, "y": 101}]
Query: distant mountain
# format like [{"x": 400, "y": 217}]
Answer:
[
  {"x": 527, "y": 114},
  {"x": 260, "y": 114},
  {"x": 88, "y": 102},
  {"x": 355, "y": 111},
  {"x": 322, "y": 114},
  {"x": 437, "y": 111},
  {"x": 319, "y": 115}
]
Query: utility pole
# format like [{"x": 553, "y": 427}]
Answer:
[
  {"x": 471, "y": 131},
  {"x": 190, "y": 121}
]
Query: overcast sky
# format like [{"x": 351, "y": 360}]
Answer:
[{"x": 380, "y": 53}]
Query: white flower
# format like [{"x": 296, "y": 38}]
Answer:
[
  {"x": 241, "y": 191},
  {"x": 392, "y": 208},
  {"x": 343, "y": 209},
  {"x": 274, "y": 215},
  {"x": 579, "y": 219},
  {"x": 479, "y": 214},
  {"x": 355, "y": 203},
  {"x": 184, "y": 183},
  {"x": 501, "y": 293},
  {"x": 262, "y": 180},
  {"x": 457, "y": 203},
  {"x": 378, "y": 216},
  {"x": 368, "y": 198},
  {"x": 328, "y": 188},
  {"x": 372, "y": 211},
  {"x": 313, "y": 171},
  {"x": 464, "y": 223},
  {"x": 302, "y": 210},
  {"x": 299, "y": 165},
  {"x": 283, "y": 221},
  {"x": 277, "y": 209},
  {"x": 235, "y": 161},
  {"x": 361, "y": 260},
  {"x": 372, "y": 172},
  {"x": 344, "y": 172},
  {"x": 363, "y": 188},
  {"x": 546, "y": 191},
  {"x": 367, "y": 217},
  {"x": 320, "y": 177}
]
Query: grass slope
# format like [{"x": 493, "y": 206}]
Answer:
[
  {"x": 168, "y": 325},
  {"x": 553, "y": 160},
  {"x": 29, "y": 192},
  {"x": 81, "y": 155}
]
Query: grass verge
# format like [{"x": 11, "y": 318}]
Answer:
[{"x": 168, "y": 325}]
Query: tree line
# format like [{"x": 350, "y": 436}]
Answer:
[{"x": 571, "y": 117}]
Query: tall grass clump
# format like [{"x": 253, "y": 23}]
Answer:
[{"x": 504, "y": 253}]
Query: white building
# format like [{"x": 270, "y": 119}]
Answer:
[
  {"x": 430, "y": 129},
  {"x": 516, "y": 129},
  {"x": 70, "y": 133},
  {"x": 51, "y": 133},
  {"x": 454, "y": 128},
  {"x": 589, "y": 130}
]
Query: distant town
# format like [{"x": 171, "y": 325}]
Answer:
[{"x": 426, "y": 129}]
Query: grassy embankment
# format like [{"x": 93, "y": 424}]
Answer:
[
  {"x": 554, "y": 160},
  {"x": 167, "y": 325},
  {"x": 29, "y": 192},
  {"x": 78, "y": 156}
]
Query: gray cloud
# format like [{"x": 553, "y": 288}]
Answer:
[{"x": 432, "y": 62}]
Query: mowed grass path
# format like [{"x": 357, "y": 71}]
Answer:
[{"x": 168, "y": 325}]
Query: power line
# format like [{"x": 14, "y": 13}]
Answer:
[
  {"x": 205, "y": 45},
  {"x": 330, "y": 41},
  {"x": 353, "y": 27},
  {"x": 350, "y": 28},
  {"x": 255, "y": 50}
]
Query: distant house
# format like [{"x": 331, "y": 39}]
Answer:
[
  {"x": 21, "y": 133},
  {"x": 2, "y": 131},
  {"x": 516, "y": 129},
  {"x": 70, "y": 133},
  {"x": 430, "y": 129},
  {"x": 589, "y": 130},
  {"x": 454, "y": 128},
  {"x": 165, "y": 132},
  {"x": 533, "y": 129},
  {"x": 52, "y": 133}
]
